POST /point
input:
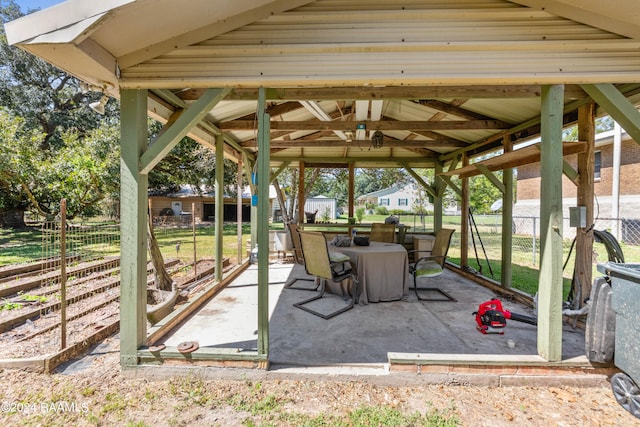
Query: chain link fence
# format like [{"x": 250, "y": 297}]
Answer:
[{"x": 485, "y": 240}]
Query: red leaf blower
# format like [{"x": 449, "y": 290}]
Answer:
[{"x": 492, "y": 318}]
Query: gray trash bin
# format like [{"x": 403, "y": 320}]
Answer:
[{"x": 625, "y": 284}]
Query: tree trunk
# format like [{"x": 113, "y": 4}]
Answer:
[
  {"x": 293, "y": 197},
  {"x": 286, "y": 218},
  {"x": 13, "y": 218},
  {"x": 163, "y": 280}
]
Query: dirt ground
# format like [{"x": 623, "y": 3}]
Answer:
[{"x": 99, "y": 394}]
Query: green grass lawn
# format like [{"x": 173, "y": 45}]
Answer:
[
  {"x": 97, "y": 240},
  {"x": 19, "y": 246}
]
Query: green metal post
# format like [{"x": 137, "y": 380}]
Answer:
[
  {"x": 264, "y": 172},
  {"x": 219, "y": 221},
  {"x": 550, "y": 281},
  {"x": 507, "y": 220},
  {"x": 133, "y": 230},
  {"x": 438, "y": 200}
]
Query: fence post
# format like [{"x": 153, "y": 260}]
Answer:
[
  {"x": 63, "y": 274},
  {"x": 533, "y": 242}
]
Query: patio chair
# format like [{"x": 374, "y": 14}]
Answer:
[
  {"x": 383, "y": 233},
  {"x": 429, "y": 266},
  {"x": 299, "y": 259},
  {"x": 325, "y": 266}
]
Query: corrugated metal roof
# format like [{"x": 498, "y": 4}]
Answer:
[
  {"x": 426, "y": 61},
  {"x": 337, "y": 43}
]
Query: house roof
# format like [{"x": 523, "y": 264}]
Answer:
[
  {"x": 380, "y": 193},
  {"x": 436, "y": 78}
]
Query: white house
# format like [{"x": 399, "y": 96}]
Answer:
[{"x": 406, "y": 198}]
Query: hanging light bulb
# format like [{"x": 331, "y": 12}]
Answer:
[
  {"x": 377, "y": 139},
  {"x": 98, "y": 106}
]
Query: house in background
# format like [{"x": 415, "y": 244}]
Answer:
[
  {"x": 188, "y": 201},
  {"x": 616, "y": 181},
  {"x": 405, "y": 198}
]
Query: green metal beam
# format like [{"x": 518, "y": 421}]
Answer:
[
  {"x": 491, "y": 177},
  {"x": 447, "y": 179},
  {"x": 282, "y": 167},
  {"x": 618, "y": 107},
  {"x": 438, "y": 205},
  {"x": 452, "y": 184},
  {"x": 263, "y": 224},
  {"x": 133, "y": 229},
  {"x": 570, "y": 172},
  {"x": 550, "y": 279},
  {"x": 174, "y": 100},
  {"x": 421, "y": 181},
  {"x": 178, "y": 127},
  {"x": 219, "y": 220},
  {"x": 506, "y": 270}
]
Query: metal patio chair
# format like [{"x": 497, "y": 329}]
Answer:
[
  {"x": 322, "y": 264},
  {"x": 383, "y": 233},
  {"x": 298, "y": 257},
  {"x": 427, "y": 267}
]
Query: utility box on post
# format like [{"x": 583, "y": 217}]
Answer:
[{"x": 578, "y": 216}]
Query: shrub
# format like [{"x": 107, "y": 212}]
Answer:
[{"x": 382, "y": 210}]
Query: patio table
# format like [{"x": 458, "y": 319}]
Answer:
[{"x": 382, "y": 270}]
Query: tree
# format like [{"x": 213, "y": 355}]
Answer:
[
  {"x": 482, "y": 193},
  {"x": 288, "y": 183},
  {"x": 54, "y": 145},
  {"x": 374, "y": 179}
]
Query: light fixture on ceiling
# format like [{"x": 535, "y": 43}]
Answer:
[
  {"x": 98, "y": 106},
  {"x": 377, "y": 139},
  {"x": 349, "y": 136}
]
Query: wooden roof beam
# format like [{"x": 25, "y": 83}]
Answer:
[
  {"x": 390, "y": 92},
  {"x": 452, "y": 109},
  {"x": 332, "y": 143},
  {"x": 381, "y": 125},
  {"x": 512, "y": 159}
]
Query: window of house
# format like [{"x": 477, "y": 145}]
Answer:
[
  {"x": 384, "y": 202},
  {"x": 596, "y": 165},
  {"x": 403, "y": 202}
]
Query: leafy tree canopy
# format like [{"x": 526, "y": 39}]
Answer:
[{"x": 55, "y": 146}]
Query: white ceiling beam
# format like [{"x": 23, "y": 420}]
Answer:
[
  {"x": 376, "y": 112},
  {"x": 362, "y": 115},
  {"x": 319, "y": 113}
]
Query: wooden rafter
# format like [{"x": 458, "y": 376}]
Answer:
[
  {"x": 370, "y": 125},
  {"x": 523, "y": 156},
  {"x": 332, "y": 143},
  {"x": 453, "y": 109},
  {"x": 390, "y": 92}
]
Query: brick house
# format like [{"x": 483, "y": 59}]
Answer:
[{"x": 528, "y": 181}]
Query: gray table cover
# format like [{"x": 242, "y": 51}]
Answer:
[{"x": 382, "y": 271}]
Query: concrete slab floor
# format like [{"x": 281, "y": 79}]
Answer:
[{"x": 362, "y": 335}]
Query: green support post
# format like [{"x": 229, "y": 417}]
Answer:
[
  {"x": 438, "y": 200},
  {"x": 551, "y": 258},
  {"x": 219, "y": 221},
  {"x": 133, "y": 230},
  {"x": 507, "y": 220},
  {"x": 264, "y": 172}
]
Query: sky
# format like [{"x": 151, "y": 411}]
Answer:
[{"x": 26, "y": 5}]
